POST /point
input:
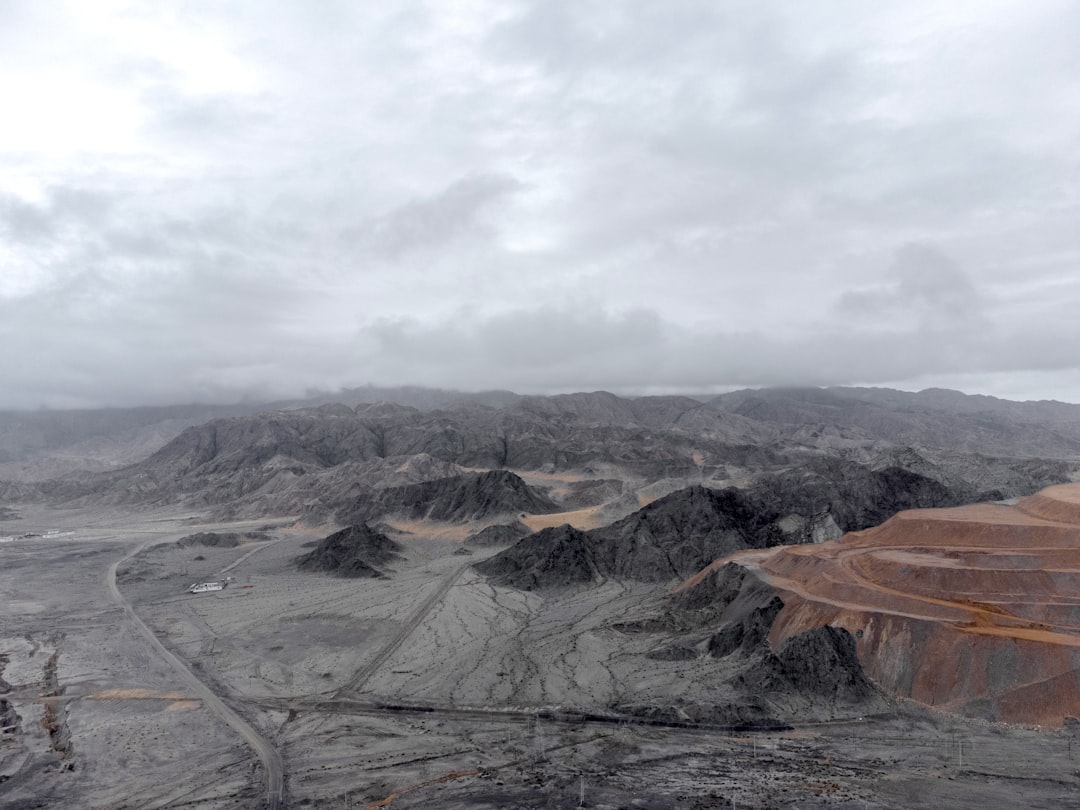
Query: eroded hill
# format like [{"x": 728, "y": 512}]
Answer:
[{"x": 971, "y": 609}]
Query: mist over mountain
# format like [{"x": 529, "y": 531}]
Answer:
[{"x": 329, "y": 457}]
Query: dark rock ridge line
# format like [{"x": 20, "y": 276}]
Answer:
[
  {"x": 935, "y": 417},
  {"x": 853, "y": 495},
  {"x": 457, "y": 499},
  {"x": 220, "y": 539},
  {"x": 678, "y": 535},
  {"x": 931, "y": 418},
  {"x": 725, "y": 619},
  {"x": 672, "y": 537},
  {"x": 819, "y": 662},
  {"x": 317, "y": 461},
  {"x": 357, "y": 551}
]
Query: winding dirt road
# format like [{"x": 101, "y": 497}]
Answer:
[
  {"x": 364, "y": 673},
  {"x": 271, "y": 759}
]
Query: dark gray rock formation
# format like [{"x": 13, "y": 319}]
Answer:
[
  {"x": 747, "y": 634},
  {"x": 723, "y": 621},
  {"x": 10, "y": 721},
  {"x": 357, "y": 551},
  {"x": 717, "y": 589},
  {"x": 316, "y": 461},
  {"x": 220, "y": 539},
  {"x": 820, "y": 662},
  {"x": 672, "y": 537},
  {"x": 459, "y": 498},
  {"x": 550, "y": 558},
  {"x": 680, "y": 534},
  {"x": 855, "y": 496}
]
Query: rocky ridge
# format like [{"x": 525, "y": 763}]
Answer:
[
  {"x": 454, "y": 499},
  {"x": 356, "y": 551},
  {"x": 319, "y": 460},
  {"x": 969, "y": 608},
  {"x": 724, "y": 620},
  {"x": 677, "y": 535}
]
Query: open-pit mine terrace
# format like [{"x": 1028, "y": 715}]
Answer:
[{"x": 974, "y": 609}]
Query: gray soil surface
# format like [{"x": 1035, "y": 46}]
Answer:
[{"x": 434, "y": 688}]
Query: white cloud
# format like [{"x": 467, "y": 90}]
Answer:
[{"x": 214, "y": 199}]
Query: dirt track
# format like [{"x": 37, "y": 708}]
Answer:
[
  {"x": 482, "y": 668},
  {"x": 268, "y": 754},
  {"x": 407, "y": 629}
]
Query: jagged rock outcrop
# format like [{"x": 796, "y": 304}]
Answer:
[
  {"x": 357, "y": 551},
  {"x": 717, "y": 589},
  {"x": 748, "y": 634},
  {"x": 550, "y": 558},
  {"x": 10, "y": 721},
  {"x": 685, "y": 531},
  {"x": 931, "y": 418},
  {"x": 970, "y": 608},
  {"x": 723, "y": 619},
  {"x": 220, "y": 539},
  {"x": 680, "y": 533},
  {"x": 314, "y": 461},
  {"x": 457, "y": 499},
  {"x": 671, "y": 537},
  {"x": 820, "y": 662},
  {"x": 851, "y": 495}
]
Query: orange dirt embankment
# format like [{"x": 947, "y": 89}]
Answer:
[{"x": 974, "y": 609}]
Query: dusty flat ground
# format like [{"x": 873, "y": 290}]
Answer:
[
  {"x": 478, "y": 676},
  {"x": 124, "y": 733}
]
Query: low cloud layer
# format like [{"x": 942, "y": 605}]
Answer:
[{"x": 202, "y": 202}]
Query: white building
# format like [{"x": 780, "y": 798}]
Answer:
[{"x": 204, "y": 587}]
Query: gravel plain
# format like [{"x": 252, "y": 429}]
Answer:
[{"x": 428, "y": 688}]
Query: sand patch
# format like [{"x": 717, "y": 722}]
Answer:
[
  {"x": 583, "y": 519},
  {"x": 138, "y": 694}
]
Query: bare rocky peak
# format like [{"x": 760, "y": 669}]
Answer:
[
  {"x": 459, "y": 498},
  {"x": 356, "y": 551},
  {"x": 934, "y": 418},
  {"x": 820, "y": 662},
  {"x": 670, "y": 538},
  {"x": 680, "y": 534},
  {"x": 220, "y": 539},
  {"x": 319, "y": 460},
  {"x": 722, "y": 620},
  {"x": 554, "y": 557}
]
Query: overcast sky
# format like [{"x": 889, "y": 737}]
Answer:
[{"x": 215, "y": 200}]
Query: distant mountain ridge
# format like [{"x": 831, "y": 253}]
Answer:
[
  {"x": 46, "y": 443},
  {"x": 319, "y": 460},
  {"x": 932, "y": 418}
]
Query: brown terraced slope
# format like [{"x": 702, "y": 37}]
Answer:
[{"x": 974, "y": 609}]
